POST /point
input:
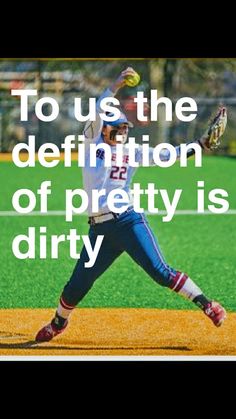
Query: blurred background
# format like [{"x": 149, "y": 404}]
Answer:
[{"x": 210, "y": 82}]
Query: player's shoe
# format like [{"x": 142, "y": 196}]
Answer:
[
  {"x": 216, "y": 313},
  {"x": 49, "y": 331}
]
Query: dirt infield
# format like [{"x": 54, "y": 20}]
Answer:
[
  {"x": 24, "y": 157},
  {"x": 118, "y": 332},
  {"x": 5, "y": 157}
]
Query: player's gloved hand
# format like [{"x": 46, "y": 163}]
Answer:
[{"x": 211, "y": 137}]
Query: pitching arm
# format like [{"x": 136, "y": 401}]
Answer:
[{"x": 93, "y": 128}]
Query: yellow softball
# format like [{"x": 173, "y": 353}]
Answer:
[{"x": 132, "y": 81}]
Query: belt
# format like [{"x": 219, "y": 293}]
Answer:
[{"x": 98, "y": 219}]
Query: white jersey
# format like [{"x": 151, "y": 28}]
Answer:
[{"x": 108, "y": 178}]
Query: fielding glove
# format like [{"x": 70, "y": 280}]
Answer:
[{"x": 211, "y": 138}]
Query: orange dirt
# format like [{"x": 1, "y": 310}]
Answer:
[
  {"x": 24, "y": 157},
  {"x": 118, "y": 332}
]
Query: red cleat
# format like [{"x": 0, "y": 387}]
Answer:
[
  {"x": 216, "y": 313},
  {"x": 48, "y": 332}
]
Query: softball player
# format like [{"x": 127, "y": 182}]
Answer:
[{"x": 126, "y": 231}]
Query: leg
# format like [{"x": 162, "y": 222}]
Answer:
[
  {"x": 143, "y": 247},
  {"x": 140, "y": 243},
  {"x": 80, "y": 283},
  {"x": 83, "y": 278}
]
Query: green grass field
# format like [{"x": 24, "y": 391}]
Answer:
[{"x": 201, "y": 245}]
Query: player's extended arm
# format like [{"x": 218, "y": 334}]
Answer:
[
  {"x": 210, "y": 140},
  {"x": 93, "y": 128}
]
